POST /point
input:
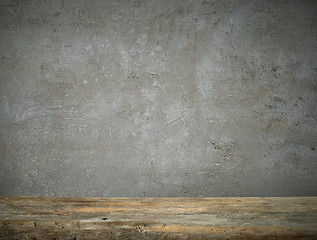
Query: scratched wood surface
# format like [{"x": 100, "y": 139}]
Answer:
[{"x": 158, "y": 218}]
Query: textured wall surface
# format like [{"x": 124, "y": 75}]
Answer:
[{"x": 158, "y": 98}]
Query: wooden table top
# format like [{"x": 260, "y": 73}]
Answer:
[{"x": 158, "y": 218}]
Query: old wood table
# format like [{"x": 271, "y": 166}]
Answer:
[{"x": 158, "y": 218}]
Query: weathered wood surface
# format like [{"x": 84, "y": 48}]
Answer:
[{"x": 158, "y": 218}]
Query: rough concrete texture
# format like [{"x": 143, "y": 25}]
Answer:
[{"x": 158, "y": 98}]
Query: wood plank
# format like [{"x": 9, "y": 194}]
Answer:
[{"x": 39, "y": 218}]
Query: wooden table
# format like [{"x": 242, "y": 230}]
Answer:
[{"x": 158, "y": 218}]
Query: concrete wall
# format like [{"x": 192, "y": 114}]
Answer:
[{"x": 158, "y": 98}]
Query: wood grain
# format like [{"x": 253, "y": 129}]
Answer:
[{"x": 158, "y": 218}]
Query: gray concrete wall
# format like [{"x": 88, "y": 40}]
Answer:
[{"x": 158, "y": 98}]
